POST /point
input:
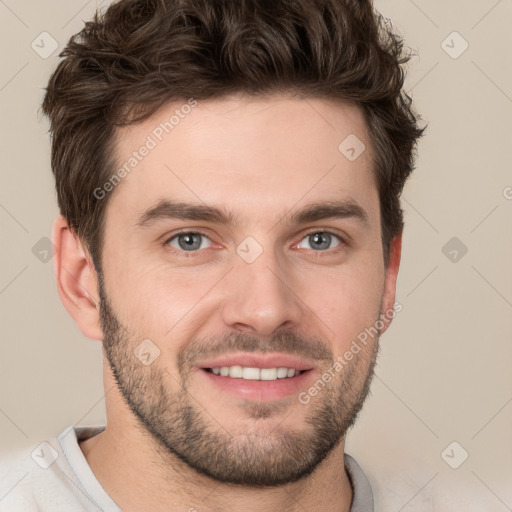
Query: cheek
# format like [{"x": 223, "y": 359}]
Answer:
[
  {"x": 159, "y": 301},
  {"x": 347, "y": 302}
]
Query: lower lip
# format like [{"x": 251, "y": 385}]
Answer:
[{"x": 262, "y": 390}]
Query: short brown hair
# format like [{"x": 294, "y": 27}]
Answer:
[{"x": 140, "y": 54}]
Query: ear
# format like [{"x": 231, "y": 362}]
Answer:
[
  {"x": 391, "y": 273},
  {"x": 77, "y": 280}
]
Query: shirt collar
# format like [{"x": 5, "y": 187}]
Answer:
[{"x": 362, "y": 500}]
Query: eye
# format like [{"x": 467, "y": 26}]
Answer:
[
  {"x": 320, "y": 240},
  {"x": 188, "y": 241}
]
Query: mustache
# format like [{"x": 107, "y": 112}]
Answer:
[{"x": 285, "y": 342}]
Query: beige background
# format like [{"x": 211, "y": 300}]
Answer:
[{"x": 444, "y": 373}]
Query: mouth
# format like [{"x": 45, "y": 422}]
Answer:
[{"x": 265, "y": 377}]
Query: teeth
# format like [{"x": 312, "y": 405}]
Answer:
[
  {"x": 268, "y": 374},
  {"x": 248, "y": 373},
  {"x": 237, "y": 372},
  {"x": 282, "y": 373},
  {"x": 251, "y": 373}
]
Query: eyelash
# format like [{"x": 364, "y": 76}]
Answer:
[{"x": 195, "y": 253}]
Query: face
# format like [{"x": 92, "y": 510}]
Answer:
[{"x": 242, "y": 259}]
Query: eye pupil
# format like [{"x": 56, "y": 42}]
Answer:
[
  {"x": 320, "y": 240},
  {"x": 189, "y": 241}
]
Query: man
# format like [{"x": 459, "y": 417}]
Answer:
[{"x": 228, "y": 176}]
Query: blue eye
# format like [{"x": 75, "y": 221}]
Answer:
[
  {"x": 192, "y": 242},
  {"x": 188, "y": 241},
  {"x": 320, "y": 240}
]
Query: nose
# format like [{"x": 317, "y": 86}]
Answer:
[{"x": 261, "y": 297}]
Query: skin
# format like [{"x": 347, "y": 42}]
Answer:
[{"x": 263, "y": 159}]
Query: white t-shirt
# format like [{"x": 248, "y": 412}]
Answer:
[{"x": 55, "y": 477}]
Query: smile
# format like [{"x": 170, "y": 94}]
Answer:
[{"x": 251, "y": 373}]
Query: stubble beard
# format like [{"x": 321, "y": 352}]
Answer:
[{"x": 181, "y": 426}]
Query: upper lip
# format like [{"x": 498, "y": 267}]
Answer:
[{"x": 251, "y": 360}]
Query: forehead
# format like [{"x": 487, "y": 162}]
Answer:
[{"x": 261, "y": 156}]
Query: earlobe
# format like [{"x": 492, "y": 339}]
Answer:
[
  {"x": 391, "y": 274},
  {"x": 77, "y": 281}
]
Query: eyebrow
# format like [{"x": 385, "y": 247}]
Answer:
[{"x": 167, "y": 209}]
